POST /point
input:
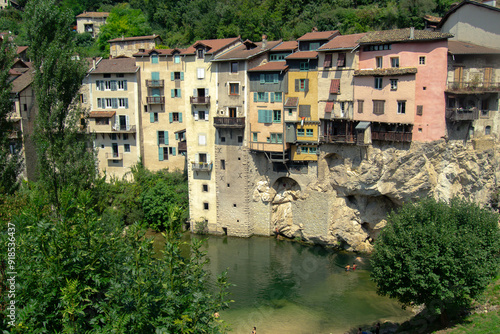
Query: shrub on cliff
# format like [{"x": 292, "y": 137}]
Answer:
[{"x": 438, "y": 254}]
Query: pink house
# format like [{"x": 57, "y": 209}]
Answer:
[{"x": 399, "y": 86}]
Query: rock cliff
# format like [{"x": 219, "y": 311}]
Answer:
[{"x": 363, "y": 184}]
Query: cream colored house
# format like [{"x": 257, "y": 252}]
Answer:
[
  {"x": 163, "y": 108},
  {"x": 201, "y": 98},
  {"x": 91, "y": 22},
  {"x": 128, "y": 46},
  {"x": 113, "y": 96}
]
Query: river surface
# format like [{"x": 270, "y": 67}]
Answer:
[{"x": 286, "y": 287}]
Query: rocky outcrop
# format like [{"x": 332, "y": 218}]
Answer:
[{"x": 364, "y": 184}]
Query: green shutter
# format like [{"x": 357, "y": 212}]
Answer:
[
  {"x": 172, "y": 93},
  {"x": 180, "y": 117},
  {"x": 151, "y": 117},
  {"x": 165, "y": 134},
  {"x": 160, "y": 153},
  {"x": 173, "y": 150},
  {"x": 262, "y": 78},
  {"x": 176, "y": 136},
  {"x": 126, "y": 103},
  {"x": 266, "y": 97},
  {"x": 114, "y": 102},
  {"x": 124, "y": 84},
  {"x": 255, "y": 97},
  {"x": 262, "y": 116},
  {"x": 113, "y": 85},
  {"x": 272, "y": 97},
  {"x": 269, "y": 116},
  {"x": 182, "y": 76},
  {"x": 170, "y": 117},
  {"x": 172, "y": 76},
  {"x": 276, "y": 78},
  {"x": 155, "y": 76}
]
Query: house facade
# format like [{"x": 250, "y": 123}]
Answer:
[
  {"x": 91, "y": 22},
  {"x": 128, "y": 46}
]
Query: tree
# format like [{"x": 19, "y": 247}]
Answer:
[
  {"x": 65, "y": 158},
  {"x": 438, "y": 254},
  {"x": 10, "y": 151}
]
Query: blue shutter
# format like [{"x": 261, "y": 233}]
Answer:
[
  {"x": 262, "y": 78},
  {"x": 170, "y": 117},
  {"x": 182, "y": 76},
  {"x": 272, "y": 97},
  {"x": 125, "y": 85},
  {"x": 155, "y": 75},
  {"x": 126, "y": 103},
  {"x": 176, "y": 136},
  {"x": 266, "y": 97},
  {"x": 276, "y": 78},
  {"x": 99, "y": 104},
  {"x": 172, "y": 93},
  {"x": 172, "y": 76},
  {"x": 261, "y": 117},
  {"x": 269, "y": 116},
  {"x": 180, "y": 117},
  {"x": 179, "y": 91},
  {"x": 151, "y": 117},
  {"x": 160, "y": 153},
  {"x": 156, "y": 92},
  {"x": 165, "y": 135},
  {"x": 113, "y": 85},
  {"x": 173, "y": 150},
  {"x": 255, "y": 97},
  {"x": 114, "y": 102}
]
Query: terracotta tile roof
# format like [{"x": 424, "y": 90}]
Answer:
[
  {"x": 387, "y": 71},
  {"x": 93, "y": 14},
  {"x": 287, "y": 46},
  {"x": 241, "y": 52},
  {"x": 433, "y": 19},
  {"x": 303, "y": 55},
  {"x": 116, "y": 65},
  {"x": 102, "y": 114},
  {"x": 342, "y": 42},
  {"x": 463, "y": 48},
  {"x": 135, "y": 38},
  {"x": 21, "y": 49},
  {"x": 214, "y": 45},
  {"x": 22, "y": 81},
  {"x": 270, "y": 66},
  {"x": 318, "y": 35},
  {"x": 291, "y": 102},
  {"x": 14, "y": 72},
  {"x": 402, "y": 35}
]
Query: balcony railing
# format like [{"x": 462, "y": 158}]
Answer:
[
  {"x": 114, "y": 156},
  {"x": 200, "y": 99},
  {"x": 474, "y": 86},
  {"x": 155, "y": 83},
  {"x": 229, "y": 122},
  {"x": 182, "y": 146},
  {"x": 122, "y": 128},
  {"x": 462, "y": 114},
  {"x": 392, "y": 136},
  {"x": 338, "y": 139},
  {"x": 155, "y": 99},
  {"x": 202, "y": 166}
]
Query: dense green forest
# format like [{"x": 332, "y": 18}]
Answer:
[{"x": 181, "y": 22}]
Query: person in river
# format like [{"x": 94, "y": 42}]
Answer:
[
  {"x": 254, "y": 330},
  {"x": 354, "y": 266},
  {"x": 347, "y": 268}
]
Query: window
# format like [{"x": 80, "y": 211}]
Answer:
[
  {"x": 223, "y": 164},
  {"x": 300, "y": 132},
  {"x": 175, "y": 117},
  {"x": 377, "y": 47},
  {"x": 155, "y": 117},
  {"x": 83, "y": 99},
  {"x": 378, "y": 61},
  {"x": 176, "y": 92},
  {"x": 200, "y": 53},
  {"x": 260, "y": 97},
  {"x": 278, "y": 56},
  {"x": 161, "y": 138},
  {"x": 123, "y": 103},
  {"x": 106, "y": 75},
  {"x": 313, "y": 150},
  {"x": 107, "y": 85},
  {"x": 120, "y": 75},
  {"x": 378, "y": 82},
  {"x": 109, "y": 103},
  {"x": 240, "y": 139},
  {"x": 205, "y": 205},
  {"x": 125, "y": 136},
  {"x": 122, "y": 84},
  {"x": 177, "y": 59},
  {"x": 154, "y": 59},
  {"x": 290, "y": 112},
  {"x": 309, "y": 132},
  {"x": 342, "y": 109},
  {"x": 304, "y": 149},
  {"x": 394, "y": 84},
  {"x": 113, "y": 136},
  {"x": 304, "y": 66},
  {"x": 203, "y": 115},
  {"x": 420, "y": 110},
  {"x": 200, "y": 71},
  {"x": 395, "y": 62},
  {"x": 313, "y": 46},
  {"x": 401, "y": 107},
  {"x": 301, "y": 85},
  {"x": 234, "y": 89},
  {"x": 102, "y": 121},
  {"x": 177, "y": 75},
  {"x": 487, "y": 130},
  {"x": 265, "y": 116},
  {"x": 378, "y": 107},
  {"x": 328, "y": 60},
  {"x": 234, "y": 67},
  {"x": 254, "y": 136},
  {"x": 276, "y": 138},
  {"x": 233, "y": 112},
  {"x": 341, "y": 60},
  {"x": 276, "y": 116},
  {"x": 205, "y": 188},
  {"x": 126, "y": 147},
  {"x": 421, "y": 60},
  {"x": 270, "y": 78},
  {"x": 202, "y": 141}
]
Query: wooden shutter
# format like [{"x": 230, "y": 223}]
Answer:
[
  {"x": 269, "y": 116},
  {"x": 99, "y": 103},
  {"x": 151, "y": 117},
  {"x": 195, "y": 92},
  {"x": 297, "y": 85},
  {"x": 195, "y": 115},
  {"x": 127, "y": 122},
  {"x": 180, "y": 117},
  {"x": 160, "y": 153},
  {"x": 335, "y": 86},
  {"x": 114, "y": 102},
  {"x": 206, "y": 116},
  {"x": 113, "y": 85},
  {"x": 126, "y": 103},
  {"x": 172, "y": 93},
  {"x": 341, "y": 60},
  {"x": 329, "y": 107},
  {"x": 272, "y": 97},
  {"x": 206, "y": 92},
  {"x": 261, "y": 116},
  {"x": 170, "y": 117},
  {"x": 182, "y": 76},
  {"x": 328, "y": 60},
  {"x": 306, "y": 85},
  {"x": 165, "y": 137},
  {"x": 420, "y": 110},
  {"x": 172, "y": 76},
  {"x": 266, "y": 97},
  {"x": 255, "y": 97},
  {"x": 124, "y": 84}
]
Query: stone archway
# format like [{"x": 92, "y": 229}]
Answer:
[{"x": 287, "y": 191}]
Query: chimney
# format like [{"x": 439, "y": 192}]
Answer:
[
  {"x": 315, "y": 29},
  {"x": 264, "y": 41},
  {"x": 412, "y": 33},
  {"x": 123, "y": 37},
  {"x": 93, "y": 62}
]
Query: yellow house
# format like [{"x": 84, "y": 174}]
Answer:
[{"x": 128, "y": 46}]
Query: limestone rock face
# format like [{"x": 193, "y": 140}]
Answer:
[{"x": 362, "y": 185}]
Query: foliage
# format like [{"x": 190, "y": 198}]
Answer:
[
  {"x": 64, "y": 156},
  {"x": 437, "y": 254},
  {"x": 80, "y": 275},
  {"x": 10, "y": 149}
]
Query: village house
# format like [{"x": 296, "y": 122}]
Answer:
[
  {"x": 91, "y": 22},
  {"x": 128, "y": 46}
]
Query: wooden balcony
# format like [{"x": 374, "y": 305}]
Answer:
[
  {"x": 182, "y": 146},
  {"x": 155, "y": 83},
  {"x": 473, "y": 87},
  {"x": 199, "y": 99},
  {"x": 155, "y": 99},
  {"x": 392, "y": 136},
  {"x": 349, "y": 139},
  {"x": 114, "y": 156},
  {"x": 229, "y": 122},
  {"x": 201, "y": 166},
  {"x": 462, "y": 114}
]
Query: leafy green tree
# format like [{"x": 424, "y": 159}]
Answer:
[
  {"x": 438, "y": 254},
  {"x": 65, "y": 158},
  {"x": 10, "y": 151}
]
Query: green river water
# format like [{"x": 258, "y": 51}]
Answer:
[{"x": 286, "y": 287}]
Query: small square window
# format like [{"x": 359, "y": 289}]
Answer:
[
  {"x": 234, "y": 204},
  {"x": 378, "y": 82},
  {"x": 309, "y": 132},
  {"x": 378, "y": 61},
  {"x": 240, "y": 139},
  {"x": 125, "y": 136},
  {"x": 222, "y": 139},
  {"x": 394, "y": 84},
  {"x": 126, "y": 147},
  {"x": 401, "y": 107},
  {"x": 421, "y": 60},
  {"x": 234, "y": 89},
  {"x": 113, "y": 136},
  {"x": 177, "y": 59},
  {"x": 204, "y": 188},
  {"x": 223, "y": 164},
  {"x": 228, "y": 185},
  {"x": 205, "y": 205},
  {"x": 254, "y": 136},
  {"x": 395, "y": 62},
  {"x": 234, "y": 67},
  {"x": 304, "y": 66},
  {"x": 300, "y": 132}
]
